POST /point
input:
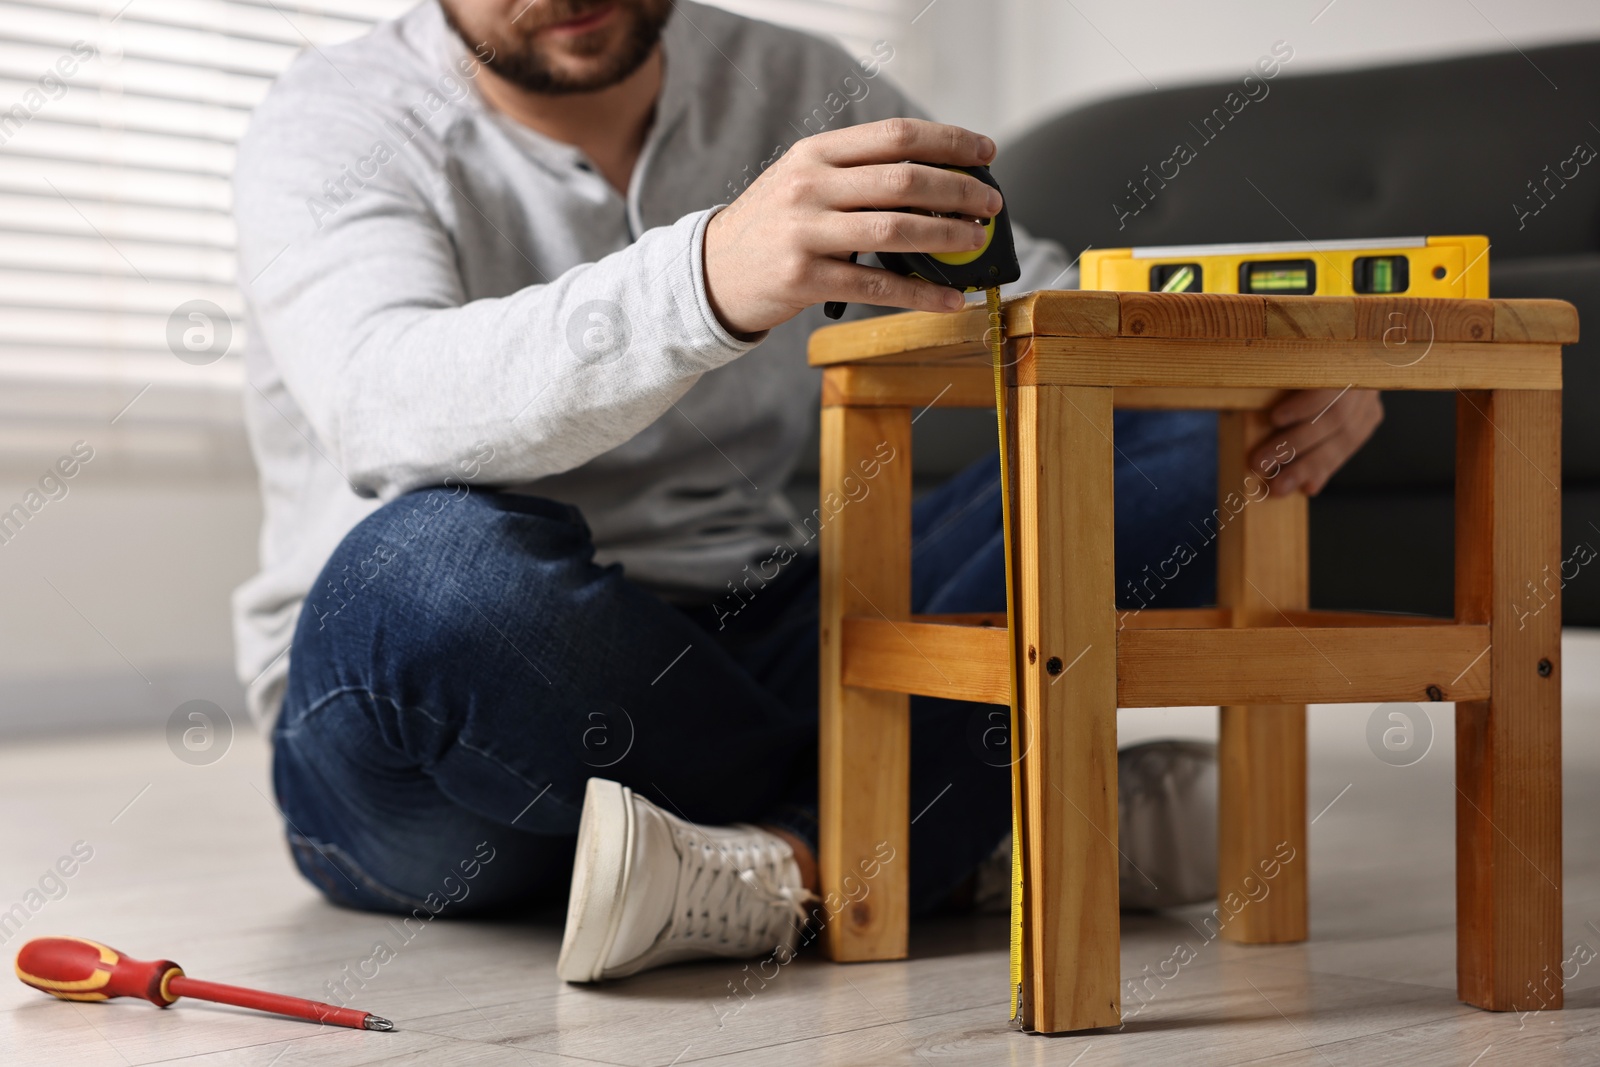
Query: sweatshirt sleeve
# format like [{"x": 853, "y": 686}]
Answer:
[{"x": 399, "y": 376}]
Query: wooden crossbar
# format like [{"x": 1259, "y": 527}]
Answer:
[
  {"x": 930, "y": 659},
  {"x": 1182, "y": 657},
  {"x": 1301, "y": 665}
]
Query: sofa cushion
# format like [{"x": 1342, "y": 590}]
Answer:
[
  {"x": 1392, "y": 550},
  {"x": 1443, "y": 147},
  {"x": 1575, "y": 279}
]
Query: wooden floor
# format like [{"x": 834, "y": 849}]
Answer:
[{"x": 188, "y": 863}]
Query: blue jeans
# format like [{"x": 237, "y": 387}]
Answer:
[{"x": 463, "y": 667}]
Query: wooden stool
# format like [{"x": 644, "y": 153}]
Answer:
[{"x": 1261, "y": 654}]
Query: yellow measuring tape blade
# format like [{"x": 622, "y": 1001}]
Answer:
[{"x": 997, "y": 351}]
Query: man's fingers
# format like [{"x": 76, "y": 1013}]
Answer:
[
  {"x": 1312, "y": 468},
  {"x": 1330, "y": 424},
  {"x": 1316, "y": 461},
  {"x": 894, "y": 140},
  {"x": 1356, "y": 428},
  {"x": 1302, "y": 437},
  {"x": 1288, "y": 453},
  {"x": 896, "y": 186},
  {"x": 781, "y": 245},
  {"x": 1304, "y": 404},
  {"x": 857, "y": 284},
  {"x": 896, "y": 231}
]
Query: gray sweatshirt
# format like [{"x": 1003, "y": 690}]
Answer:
[{"x": 443, "y": 296}]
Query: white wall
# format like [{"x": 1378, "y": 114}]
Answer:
[
  {"x": 114, "y": 598},
  {"x": 1001, "y": 65}
]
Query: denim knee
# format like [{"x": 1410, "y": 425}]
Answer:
[
  {"x": 417, "y": 579},
  {"x": 415, "y": 536}
]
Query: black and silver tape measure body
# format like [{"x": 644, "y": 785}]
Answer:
[{"x": 992, "y": 264}]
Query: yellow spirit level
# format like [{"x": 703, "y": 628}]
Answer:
[{"x": 1414, "y": 266}]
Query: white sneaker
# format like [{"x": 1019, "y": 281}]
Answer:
[
  {"x": 1167, "y": 830},
  {"x": 1167, "y": 814},
  {"x": 649, "y": 888}
]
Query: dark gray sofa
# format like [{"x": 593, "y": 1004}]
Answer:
[{"x": 1441, "y": 147}]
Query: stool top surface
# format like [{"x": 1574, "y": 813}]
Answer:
[{"x": 922, "y": 335}]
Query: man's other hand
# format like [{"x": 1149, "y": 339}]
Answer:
[
  {"x": 1325, "y": 427},
  {"x": 785, "y": 243}
]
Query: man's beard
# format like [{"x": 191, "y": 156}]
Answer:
[{"x": 512, "y": 53}]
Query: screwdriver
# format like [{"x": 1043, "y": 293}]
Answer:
[{"x": 74, "y": 968}]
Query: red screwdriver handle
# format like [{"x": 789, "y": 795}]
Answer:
[{"x": 74, "y": 968}]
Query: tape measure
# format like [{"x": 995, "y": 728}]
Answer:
[
  {"x": 992, "y": 264},
  {"x": 997, "y": 358},
  {"x": 987, "y": 267}
]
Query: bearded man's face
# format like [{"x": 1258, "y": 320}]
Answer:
[{"x": 560, "y": 46}]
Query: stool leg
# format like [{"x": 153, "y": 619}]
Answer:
[
  {"x": 1261, "y": 807},
  {"x": 1508, "y": 748},
  {"x": 865, "y": 738},
  {"x": 1066, "y": 620}
]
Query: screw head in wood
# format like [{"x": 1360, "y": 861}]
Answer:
[
  {"x": 1545, "y": 668},
  {"x": 1053, "y": 664},
  {"x": 1435, "y": 693}
]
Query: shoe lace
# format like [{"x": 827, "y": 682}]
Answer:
[{"x": 731, "y": 893}]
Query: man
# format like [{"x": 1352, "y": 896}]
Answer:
[{"x": 523, "y": 400}]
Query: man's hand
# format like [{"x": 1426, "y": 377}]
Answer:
[
  {"x": 1324, "y": 427},
  {"x": 785, "y": 243}
]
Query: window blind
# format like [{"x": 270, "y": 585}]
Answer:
[{"x": 118, "y": 120}]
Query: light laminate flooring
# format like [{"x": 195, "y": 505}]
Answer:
[{"x": 188, "y": 863}]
